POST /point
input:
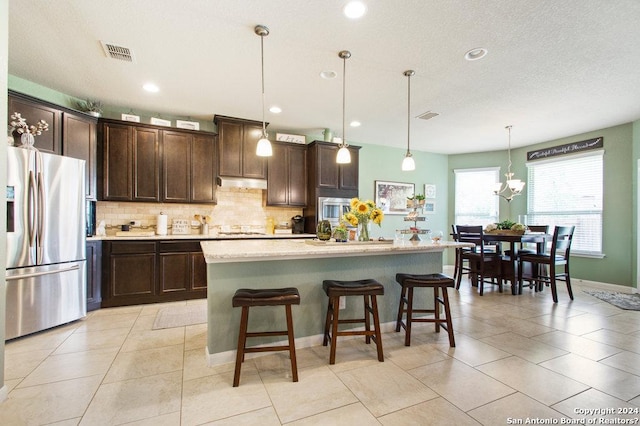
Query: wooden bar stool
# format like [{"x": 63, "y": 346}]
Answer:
[
  {"x": 367, "y": 288},
  {"x": 247, "y": 298},
  {"x": 435, "y": 281}
]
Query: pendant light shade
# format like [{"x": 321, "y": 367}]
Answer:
[
  {"x": 263, "y": 149},
  {"x": 512, "y": 187},
  {"x": 408, "y": 163},
  {"x": 344, "y": 156}
]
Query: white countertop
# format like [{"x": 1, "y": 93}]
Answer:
[
  {"x": 202, "y": 237},
  {"x": 264, "y": 250}
]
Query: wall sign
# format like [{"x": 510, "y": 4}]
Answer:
[{"x": 570, "y": 148}]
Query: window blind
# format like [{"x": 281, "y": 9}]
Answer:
[
  {"x": 569, "y": 191},
  {"x": 475, "y": 203}
]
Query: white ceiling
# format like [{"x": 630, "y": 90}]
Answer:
[{"x": 554, "y": 68}]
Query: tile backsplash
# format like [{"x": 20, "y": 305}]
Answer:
[{"x": 235, "y": 208}]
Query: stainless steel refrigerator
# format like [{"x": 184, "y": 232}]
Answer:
[{"x": 45, "y": 241}]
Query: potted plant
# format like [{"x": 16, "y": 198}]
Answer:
[
  {"x": 420, "y": 199},
  {"x": 341, "y": 233},
  {"x": 92, "y": 107}
]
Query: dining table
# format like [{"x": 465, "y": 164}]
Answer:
[{"x": 539, "y": 238}]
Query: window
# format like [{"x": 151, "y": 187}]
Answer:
[
  {"x": 475, "y": 203},
  {"x": 568, "y": 191}
]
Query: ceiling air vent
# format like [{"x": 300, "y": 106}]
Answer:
[
  {"x": 428, "y": 115},
  {"x": 118, "y": 52}
]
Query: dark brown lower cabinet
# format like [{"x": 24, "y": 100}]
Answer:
[
  {"x": 94, "y": 272},
  {"x": 139, "y": 272}
]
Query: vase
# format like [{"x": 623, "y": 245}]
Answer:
[
  {"x": 204, "y": 229},
  {"x": 27, "y": 140},
  {"x": 364, "y": 229},
  {"x": 323, "y": 231}
]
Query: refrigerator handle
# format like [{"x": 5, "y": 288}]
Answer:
[
  {"x": 41, "y": 214},
  {"x": 31, "y": 208},
  {"x": 41, "y": 273}
]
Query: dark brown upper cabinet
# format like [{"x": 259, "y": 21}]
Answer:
[
  {"x": 287, "y": 175},
  {"x": 237, "y": 142}
]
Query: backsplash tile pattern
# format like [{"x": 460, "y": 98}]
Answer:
[{"x": 235, "y": 207}]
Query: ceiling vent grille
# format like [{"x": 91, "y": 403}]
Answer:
[
  {"x": 428, "y": 115},
  {"x": 118, "y": 52}
]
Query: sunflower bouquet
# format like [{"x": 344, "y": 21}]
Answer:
[{"x": 361, "y": 213}]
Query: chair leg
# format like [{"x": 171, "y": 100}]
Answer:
[
  {"x": 552, "y": 279},
  {"x": 334, "y": 328},
  {"x": 407, "y": 336},
  {"x": 568, "y": 281},
  {"x": 459, "y": 277},
  {"x": 242, "y": 341},
  {"x": 376, "y": 327},
  {"x": 455, "y": 267},
  {"x": 447, "y": 312},
  {"x": 292, "y": 344},
  {"x": 403, "y": 298}
]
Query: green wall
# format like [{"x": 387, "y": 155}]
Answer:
[{"x": 618, "y": 265}]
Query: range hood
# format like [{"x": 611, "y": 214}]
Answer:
[{"x": 238, "y": 182}]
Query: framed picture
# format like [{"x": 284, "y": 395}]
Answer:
[
  {"x": 160, "y": 122},
  {"x": 391, "y": 197},
  {"x": 284, "y": 137},
  {"x": 429, "y": 190},
  {"x": 429, "y": 207},
  {"x": 189, "y": 125}
]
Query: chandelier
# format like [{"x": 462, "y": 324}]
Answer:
[{"x": 512, "y": 187}]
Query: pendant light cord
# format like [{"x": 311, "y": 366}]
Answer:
[
  {"x": 408, "y": 112},
  {"x": 509, "y": 150},
  {"x": 264, "y": 128},
  {"x": 344, "y": 102}
]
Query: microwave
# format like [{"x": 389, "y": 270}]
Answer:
[{"x": 332, "y": 209}]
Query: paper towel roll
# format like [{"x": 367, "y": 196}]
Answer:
[{"x": 161, "y": 224}]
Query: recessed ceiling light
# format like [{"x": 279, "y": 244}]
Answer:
[
  {"x": 328, "y": 75},
  {"x": 150, "y": 87},
  {"x": 275, "y": 109},
  {"x": 475, "y": 54},
  {"x": 355, "y": 9},
  {"x": 355, "y": 123}
]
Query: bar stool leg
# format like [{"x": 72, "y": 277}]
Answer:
[
  {"x": 447, "y": 312},
  {"x": 407, "y": 337},
  {"x": 335, "y": 303},
  {"x": 327, "y": 323},
  {"x": 403, "y": 299},
  {"x": 367, "y": 319},
  {"x": 376, "y": 326},
  {"x": 436, "y": 308},
  {"x": 242, "y": 341},
  {"x": 292, "y": 345}
]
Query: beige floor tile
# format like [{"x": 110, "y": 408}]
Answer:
[
  {"x": 400, "y": 389},
  {"x": 605, "y": 405},
  {"x": 49, "y": 403},
  {"x": 576, "y": 344},
  {"x": 45, "y": 340},
  {"x": 350, "y": 354},
  {"x": 626, "y": 361},
  {"x": 602, "y": 377},
  {"x": 529, "y": 349},
  {"x": 514, "y": 409},
  {"x": 93, "y": 340},
  {"x": 318, "y": 390},
  {"x": 352, "y": 414},
  {"x": 619, "y": 340},
  {"x": 134, "y": 400},
  {"x": 118, "y": 311},
  {"x": 460, "y": 384},
  {"x": 148, "y": 339},
  {"x": 263, "y": 416},
  {"x": 195, "y": 336},
  {"x": 407, "y": 358},
  {"x": 280, "y": 362},
  {"x": 473, "y": 352},
  {"x": 532, "y": 380},
  {"x": 211, "y": 398},
  {"x": 435, "y": 412},
  {"x": 147, "y": 362},
  {"x": 583, "y": 324},
  {"x": 154, "y": 308},
  {"x": 144, "y": 323},
  {"x": 476, "y": 328},
  {"x": 21, "y": 364},
  {"x": 71, "y": 366},
  {"x": 170, "y": 419},
  {"x": 69, "y": 422},
  {"x": 108, "y": 322}
]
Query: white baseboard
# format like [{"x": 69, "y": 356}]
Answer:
[
  {"x": 301, "y": 342},
  {"x": 605, "y": 286},
  {"x": 4, "y": 393}
]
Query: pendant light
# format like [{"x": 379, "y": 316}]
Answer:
[
  {"x": 408, "y": 164},
  {"x": 263, "y": 149},
  {"x": 513, "y": 186},
  {"x": 344, "y": 156}
]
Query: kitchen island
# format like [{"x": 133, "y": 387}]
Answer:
[{"x": 303, "y": 264}]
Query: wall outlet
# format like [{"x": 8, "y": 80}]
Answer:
[
  {"x": 343, "y": 303},
  {"x": 136, "y": 223}
]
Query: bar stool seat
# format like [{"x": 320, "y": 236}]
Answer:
[
  {"x": 438, "y": 282},
  {"x": 247, "y": 298},
  {"x": 369, "y": 289}
]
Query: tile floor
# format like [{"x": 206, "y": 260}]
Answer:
[{"x": 517, "y": 358}]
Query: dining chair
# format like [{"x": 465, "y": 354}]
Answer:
[
  {"x": 483, "y": 264},
  {"x": 557, "y": 257}
]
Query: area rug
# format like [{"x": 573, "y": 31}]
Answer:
[
  {"x": 621, "y": 300},
  {"x": 179, "y": 316}
]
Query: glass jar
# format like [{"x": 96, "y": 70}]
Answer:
[{"x": 323, "y": 230}]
